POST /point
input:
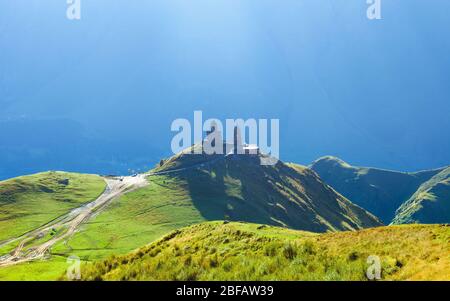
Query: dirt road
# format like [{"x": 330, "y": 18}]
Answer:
[{"x": 30, "y": 247}]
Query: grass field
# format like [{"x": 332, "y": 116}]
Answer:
[
  {"x": 133, "y": 220},
  {"x": 130, "y": 222},
  {"x": 240, "y": 251},
  {"x": 42, "y": 270},
  {"x": 30, "y": 201}
]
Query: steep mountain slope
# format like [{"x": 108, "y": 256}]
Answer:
[
  {"x": 239, "y": 188},
  {"x": 430, "y": 203},
  {"x": 31, "y": 201},
  {"x": 238, "y": 251},
  {"x": 379, "y": 191}
]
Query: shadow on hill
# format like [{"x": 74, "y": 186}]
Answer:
[
  {"x": 238, "y": 188},
  {"x": 219, "y": 191}
]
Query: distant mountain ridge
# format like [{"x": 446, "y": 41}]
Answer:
[
  {"x": 429, "y": 204},
  {"x": 381, "y": 192}
]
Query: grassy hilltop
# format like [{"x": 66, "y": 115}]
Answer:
[
  {"x": 240, "y": 251},
  {"x": 31, "y": 201}
]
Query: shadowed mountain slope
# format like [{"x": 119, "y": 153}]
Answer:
[
  {"x": 429, "y": 204},
  {"x": 379, "y": 191},
  {"x": 238, "y": 187}
]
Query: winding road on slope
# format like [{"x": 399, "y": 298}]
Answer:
[{"x": 69, "y": 223}]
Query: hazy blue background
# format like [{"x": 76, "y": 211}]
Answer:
[{"x": 99, "y": 94}]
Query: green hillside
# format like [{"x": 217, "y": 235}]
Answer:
[
  {"x": 430, "y": 203},
  {"x": 241, "y": 251},
  {"x": 189, "y": 190},
  {"x": 31, "y": 201},
  {"x": 133, "y": 220},
  {"x": 379, "y": 191},
  {"x": 240, "y": 188},
  {"x": 203, "y": 188},
  {"x": 237, "y": 189}
]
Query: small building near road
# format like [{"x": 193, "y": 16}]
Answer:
[{"x": 251, "y": 149}]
